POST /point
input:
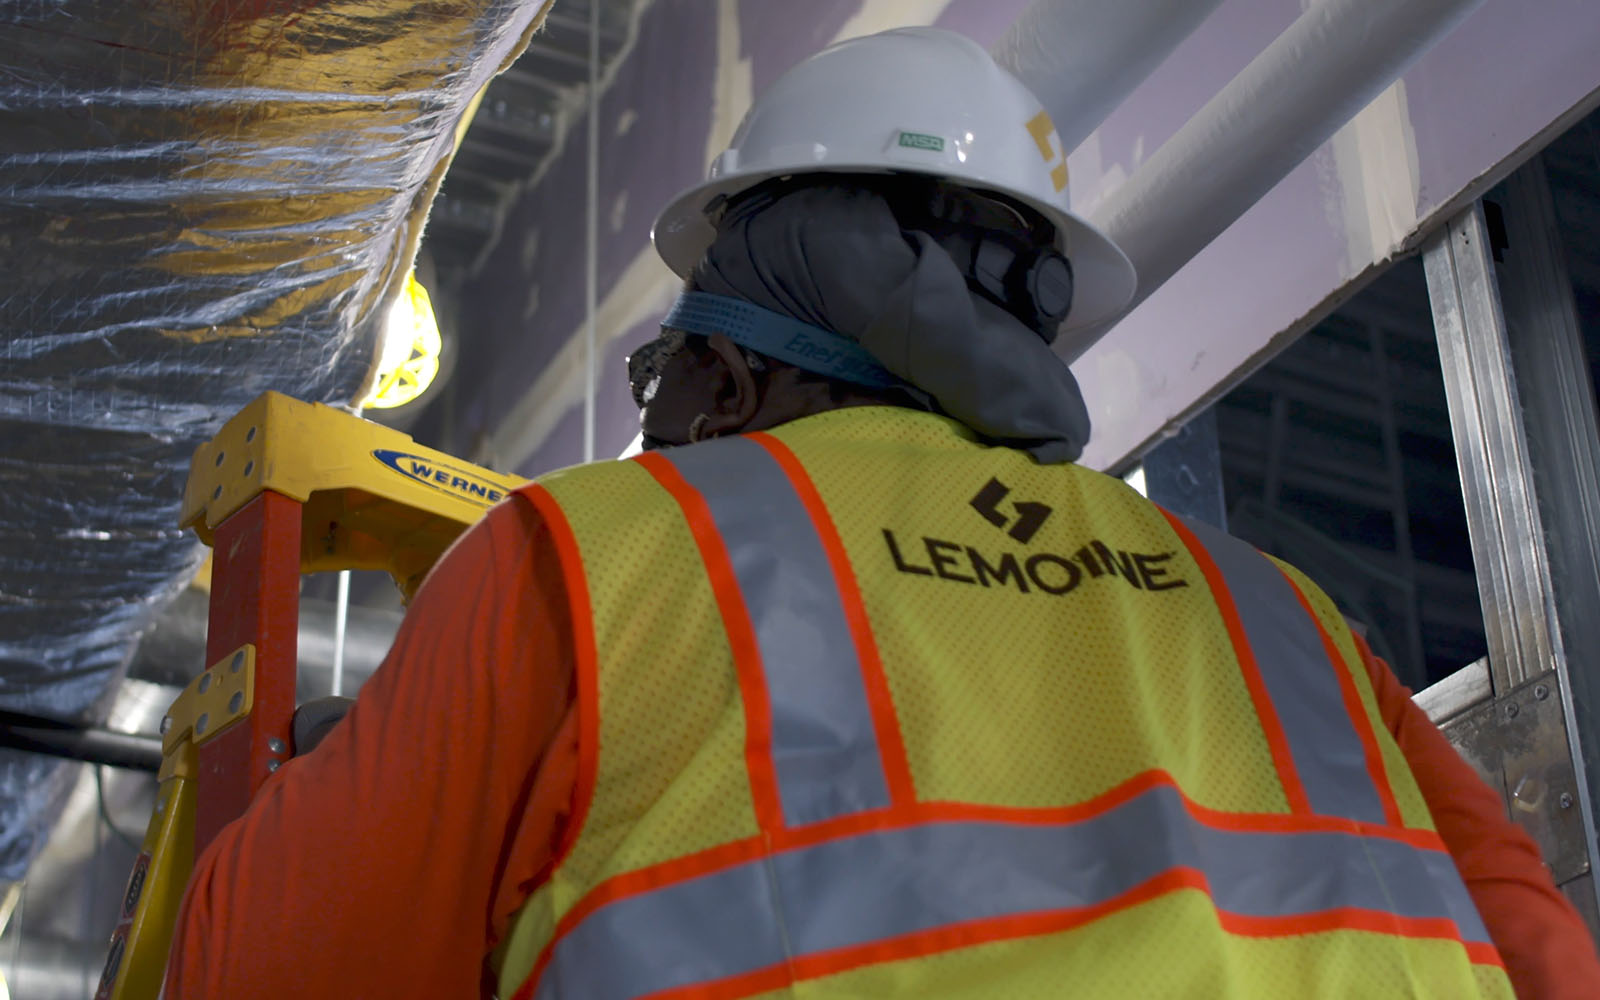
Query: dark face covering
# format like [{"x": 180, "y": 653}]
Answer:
[
  {"x": 837, "y": 258},
  {"x": 649, "y": 372}
]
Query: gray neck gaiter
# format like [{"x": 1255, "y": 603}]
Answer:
[{"x": 836, "y": 257}]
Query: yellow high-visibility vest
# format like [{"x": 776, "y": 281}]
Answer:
[{"x": 868, "y": 708}]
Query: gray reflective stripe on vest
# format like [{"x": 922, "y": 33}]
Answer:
[
  {"x": 1301, "y": 681},
  {"x": 824, "y": 746},
  {"x": 874, "y": 886}
]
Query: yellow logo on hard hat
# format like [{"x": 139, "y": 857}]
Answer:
[{"x": 1044, "y": 135}]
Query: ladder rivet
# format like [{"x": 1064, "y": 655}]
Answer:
[
  {"x": 275, "y": 745},
  {"x": 1566, "y": 800},
  {"x": 273, "y": 765},
  {"x": 1511, "y": 710},
  {"x": 1541, "y": 692}
]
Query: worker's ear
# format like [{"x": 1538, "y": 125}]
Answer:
[{"x": 738, "y": 396}]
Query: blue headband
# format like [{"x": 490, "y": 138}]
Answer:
[{"x": 778, "y": 336}]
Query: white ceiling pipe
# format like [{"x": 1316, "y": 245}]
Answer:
[
  {"x": 1082, "y": 58},
  {"x": 1328, "y": 65}
]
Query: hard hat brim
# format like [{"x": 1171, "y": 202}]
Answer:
[{"x": 1104, "y": 281}]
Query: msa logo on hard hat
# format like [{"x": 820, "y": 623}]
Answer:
[
  {"x": 921, "y": 140},
  {"x": 1044, "y": 135}
]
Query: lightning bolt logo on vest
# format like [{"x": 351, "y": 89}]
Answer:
[{"x": 1028, "y": 573}]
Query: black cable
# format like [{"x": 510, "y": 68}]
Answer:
[
  {"x": 74, "y": 741},
  {"x": 105, "y": 814}
]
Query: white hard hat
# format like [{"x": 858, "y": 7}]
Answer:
[{"x": 918, "y": 100}]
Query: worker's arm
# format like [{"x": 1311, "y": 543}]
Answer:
[
  {"x": 1545, "y": 945},
  {"x": 386, "y": 862}
]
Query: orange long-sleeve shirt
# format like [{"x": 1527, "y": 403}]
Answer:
[{"x": 389, "y": 862}]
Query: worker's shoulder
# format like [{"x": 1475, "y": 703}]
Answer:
[
  {"x": 626, "y": 482},
  {"x": 1314, "y": 595}
]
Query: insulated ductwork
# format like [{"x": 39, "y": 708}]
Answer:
[{"x": 199, "y": 201}]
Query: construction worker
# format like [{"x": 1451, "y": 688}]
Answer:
[{"x": 853, "y": 684}]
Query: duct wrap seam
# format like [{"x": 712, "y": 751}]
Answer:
[{"x": 199, "y": 201}]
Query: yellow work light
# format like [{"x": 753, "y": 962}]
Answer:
[{"x": 409, "y": 357}]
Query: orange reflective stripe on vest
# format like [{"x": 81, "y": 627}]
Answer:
[
  {"x": 1332, "y": 766},
  {"x": 969, "y": 881},
  {"x": 850, "y": 870},
  {"x": 824, "y": 746}
]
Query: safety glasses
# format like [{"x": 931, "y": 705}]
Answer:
[{"x": 646, "y": 364}]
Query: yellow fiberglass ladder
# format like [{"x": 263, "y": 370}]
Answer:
[{"x": 284, "y": 488}]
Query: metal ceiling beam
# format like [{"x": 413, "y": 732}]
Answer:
[
  {"x": 1314, "y": 446},
  {"x": 1394, "y": 467},
  {"x": 577, "y": 62},
  {"x": 470, "y": 186},
  {"x": 526, "y": 77},
  {"x": 522, "y": 124},
  {"x": 1414, "y": 413},
  {"x": 559, "y": 20},
  {"x": 1313, "y": 476},
  {"x": 478, "y": 155},
  {"x": 1397, "y": 301},
  {"x": 1326, "y": 358},
  {"x": 463, "y": 213}
]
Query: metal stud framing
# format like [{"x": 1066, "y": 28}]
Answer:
[
  {"x": 1511, "y": 457},
  {"x": 1491, "y": 450}
]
